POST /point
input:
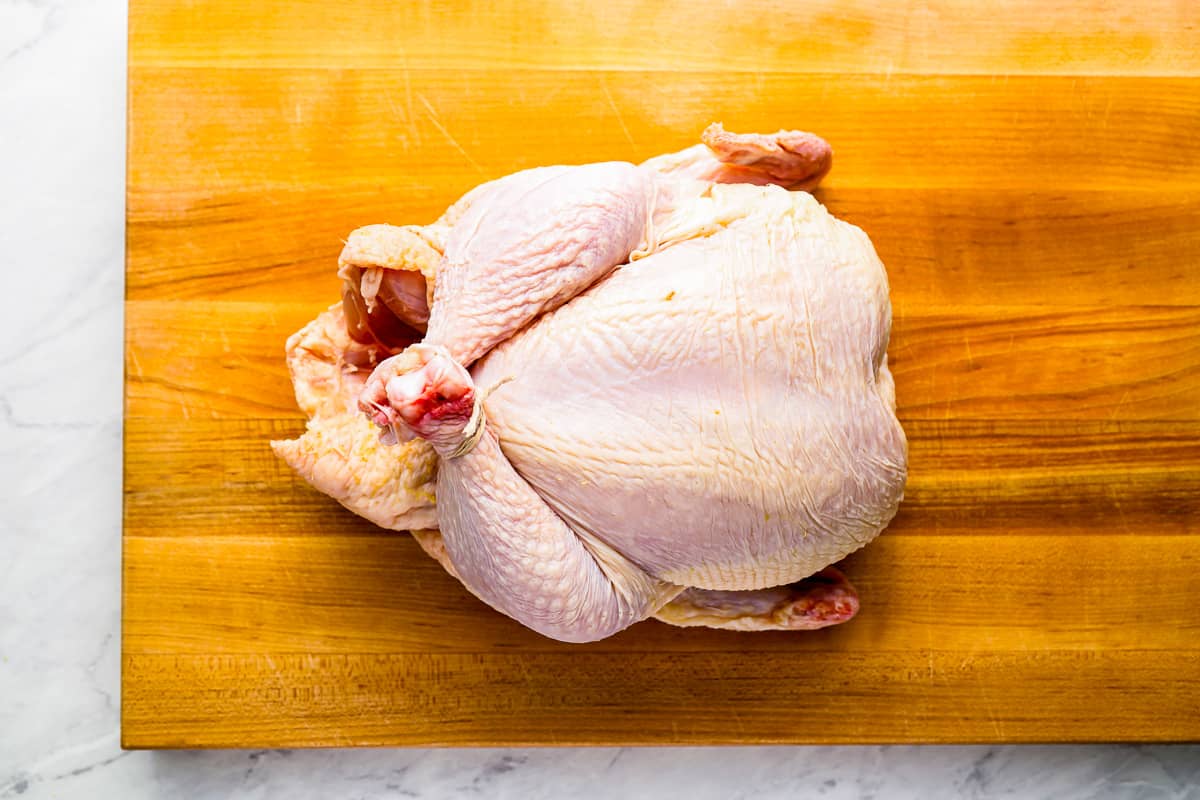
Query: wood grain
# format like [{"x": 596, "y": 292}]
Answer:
[
  {"x": 1154, "y": 37},
  {"x": 1030, "y": 177},
  {"x": 335, "y": 592},
  {"x": 409, "y": 131},
  {"x": 666, "y": 698}
]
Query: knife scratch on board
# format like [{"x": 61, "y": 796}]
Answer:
[{"x": 437, "y": 123}]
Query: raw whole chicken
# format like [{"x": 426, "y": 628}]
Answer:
[{"x": 608, "y": 392}]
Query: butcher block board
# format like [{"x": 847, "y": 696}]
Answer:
[{"x": 1030, "y": 177}]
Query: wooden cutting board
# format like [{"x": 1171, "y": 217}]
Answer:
[{"x": 1031, "y": 179}]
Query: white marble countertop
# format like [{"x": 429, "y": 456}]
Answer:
[{"x": 62, "y": 141}]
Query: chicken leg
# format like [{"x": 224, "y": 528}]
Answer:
[
  {"x": 544, "y": 236},
  {"x": 506, "y": 545}
]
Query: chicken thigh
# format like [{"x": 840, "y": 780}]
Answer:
[{"x": 649, "y": 390}]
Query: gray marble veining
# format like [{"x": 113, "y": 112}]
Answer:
[{"x": 62, "y": 79}]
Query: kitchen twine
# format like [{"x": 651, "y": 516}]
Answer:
[{"x": 476, "y": 425}]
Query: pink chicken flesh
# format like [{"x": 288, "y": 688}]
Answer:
[{"x": 610, "y": 392}]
